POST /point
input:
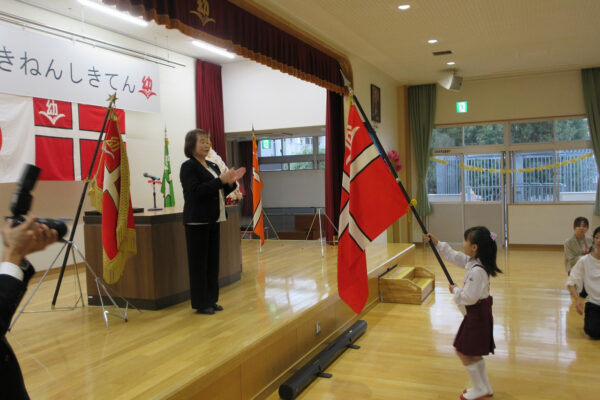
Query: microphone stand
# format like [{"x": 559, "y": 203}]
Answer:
[{"x": 153, "y": 181}]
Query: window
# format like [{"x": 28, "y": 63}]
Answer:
[
  {"x": 572, "y": 129},
  {"x": 561, "y": 169},
  {"x": 443, "y": 179},
  {"x": 476, "y": 135},
  {"x": 446, "y": 137},
  {"x": 483, "y": 185},
  {"x": 534, "y": 183},
  {"x": 531, "y": 132},
  {"x": 290, "y": 154},
  {"x": 577, "y": 180}
]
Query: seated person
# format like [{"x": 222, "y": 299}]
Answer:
[
  {"x": 587, "y": 272},
  {"x": 578, "y": 244}
]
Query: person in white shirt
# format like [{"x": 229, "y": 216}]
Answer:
[
  {"x": 586, "y": 272},
  {"x": 475, "y": 337},
  {"x": 15, "y": 272}
]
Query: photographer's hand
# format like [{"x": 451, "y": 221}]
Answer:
[{"x": 24, "y": 239}]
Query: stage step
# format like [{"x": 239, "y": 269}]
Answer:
[{"x": 406, "y": 284}]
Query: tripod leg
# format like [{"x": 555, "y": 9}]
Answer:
[
  {"x": 321, "y": 234},
  {"x": 34, "y": 291},
  {"x": 78, "y": 281},
  {"x": 311, "y": 225}
]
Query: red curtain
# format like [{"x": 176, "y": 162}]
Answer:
[
  {"x": 209, "y": 104},
  {"x": 226, "y": 25},
  {"x": 245, "y": 153},
  {"x": 334, "y": 160}
]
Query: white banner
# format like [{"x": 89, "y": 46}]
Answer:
[
  {"x": 17, "y": 136},
  {"x": 38, "y": 65}
]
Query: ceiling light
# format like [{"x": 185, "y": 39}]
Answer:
[
  {"x": 113, "y": 12},
  {"x": 432, "y": 41},
  {"x": 214, "y": 49},
  {"x": 450, "y": 63},
  {"x": 404, "y": 7}
]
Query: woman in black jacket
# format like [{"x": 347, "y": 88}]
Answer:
[{"x": 204, "y": 191}]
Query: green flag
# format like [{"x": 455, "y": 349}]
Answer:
[{"x": 166, "y": 179}]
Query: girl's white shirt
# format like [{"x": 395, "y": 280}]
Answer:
[
  {"x": 477, "y": 282},
  {"x": 586, "y": 273}
]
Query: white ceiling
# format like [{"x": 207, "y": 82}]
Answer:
[{"x": 487, "y": 37}]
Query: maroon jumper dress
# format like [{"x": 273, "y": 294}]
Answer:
[{"x": 475, "y": 337}]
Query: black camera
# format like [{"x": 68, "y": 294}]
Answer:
[{"x": 21, "y": 201}]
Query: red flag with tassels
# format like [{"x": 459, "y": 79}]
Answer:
[
  {"x": 109, "y": 193},
  {"x": 371, "y": 201}
]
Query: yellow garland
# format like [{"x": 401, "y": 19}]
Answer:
[{"x": 520, "y": 170}]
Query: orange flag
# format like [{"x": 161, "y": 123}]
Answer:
[
  {"x": 257, "y": 184},
  {"x": 109, "y": 193}
]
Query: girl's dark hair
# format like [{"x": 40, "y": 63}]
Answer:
[
  {"x": 596, "y": 232},
  {"x": 190, "y": 141},
  {"x": 486, "y": 248},
  {"x": 579, "y": 220}
]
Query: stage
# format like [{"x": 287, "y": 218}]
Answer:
[{"x": 267, "y": 330}]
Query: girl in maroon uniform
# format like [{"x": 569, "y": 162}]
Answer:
[{"x": 475, "y": 337}]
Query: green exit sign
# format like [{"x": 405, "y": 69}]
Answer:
[
  {"x": 265, "y": 144},
  {"x": 461, "y": 107}
]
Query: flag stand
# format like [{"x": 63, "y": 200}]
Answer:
[
  {"x": 383, "y": 155},
  {"x": 320, "y": 229},
  {"x": 70, "y": 244},
  {"x": 111, "y": 104},
  {"x": 99, "y": 285}
]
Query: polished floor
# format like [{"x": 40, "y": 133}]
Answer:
[
  {"x": 406, "y": 353},
  {"x": 542, "y": 351}
]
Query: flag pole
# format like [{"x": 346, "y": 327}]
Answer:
[
  {"x": 383, "y": 155},
  {"x": 111, "y": 104}
]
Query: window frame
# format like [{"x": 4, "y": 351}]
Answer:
[{"x": 510, "y": 149}]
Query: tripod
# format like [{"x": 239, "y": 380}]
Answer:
[
  {"x": 318, "y": 213},
  {"x": 99, "y": 285}
]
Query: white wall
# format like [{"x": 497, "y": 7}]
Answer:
[
  {"x": 546, "y": 223},
  {"x": 254, "y": 94},
  {"x": 144, "y": 133},
  {"x": 545, "y": 95},
  {"x": 530, "y": 96},
  {"x": 302, "y": 188},
  {"x": 366, "y": 74}
]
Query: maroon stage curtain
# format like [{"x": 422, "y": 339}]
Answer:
[
  {"x": 209, "y": 104},
  {"x": 245, "y": 149},
  {"x": 227, "y": 25},
  {"x": 334, "y": 160}
]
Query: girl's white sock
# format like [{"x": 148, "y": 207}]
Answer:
[
  {"x": 479, "y": 389},
  {"x": 481, "y": 365}
]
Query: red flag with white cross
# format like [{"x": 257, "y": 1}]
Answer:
[{"x": 371, "y": 201}]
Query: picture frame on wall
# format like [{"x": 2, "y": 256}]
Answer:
[{"x": 375, "y": 103}]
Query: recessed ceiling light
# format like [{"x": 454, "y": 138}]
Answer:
[
  {"x": 404, "y": 7},
  {"x": 432, "y": 41},
  {"x": 450, "y": 63},
  {"x": 214, "y": 49}
]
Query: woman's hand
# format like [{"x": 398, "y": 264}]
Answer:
[
  {"x": 430, "y": 237},
  {"x": 231, "y": 175}
]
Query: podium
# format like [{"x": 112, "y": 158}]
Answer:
[{"x": 157, "y": 277}]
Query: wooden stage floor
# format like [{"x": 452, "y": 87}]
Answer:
[{"x": 268, "y": 324}]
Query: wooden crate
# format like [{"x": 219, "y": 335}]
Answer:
[{"x": 406, "y": 284}]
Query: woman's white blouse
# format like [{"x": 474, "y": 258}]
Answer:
[{"x": 477, "y": 282}]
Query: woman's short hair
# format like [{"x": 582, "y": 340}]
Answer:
[
  {"x": 190, "y": 141},
  {"x": 579, "y": 220}
]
